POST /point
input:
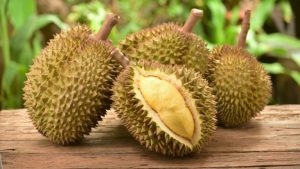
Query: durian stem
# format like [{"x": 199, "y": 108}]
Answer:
[
  {"x": 245, "y": 27},
  {"x": 120, "y": 57},
  {"x": 109, "y": 22},
  {"x": 192, "y": 19}
]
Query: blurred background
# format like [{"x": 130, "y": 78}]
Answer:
[{"x": 27, "y": 25}]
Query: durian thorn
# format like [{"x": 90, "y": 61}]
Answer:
[
  {"x": 192, "y": 19},
  {"x": 109, "y": 22},
  {"x": 245, "y": 27},
  {"x": 120, "y": 57}
]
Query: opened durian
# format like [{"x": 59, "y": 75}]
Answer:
[
  {"x": 241, "y": 85},
  {"x": 169, "y": 44},
  {"x": 67, "y": 90},
  {"x": 168, "y": 109}
]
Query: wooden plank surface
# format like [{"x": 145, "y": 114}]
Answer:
[{"x": 272, "y": 140}]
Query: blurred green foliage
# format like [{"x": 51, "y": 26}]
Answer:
[
  {"x": 20, "y": 45},
  {"x": 21, "y": 39}
]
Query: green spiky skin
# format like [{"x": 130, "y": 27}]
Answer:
[
  {"x": 144, "y": 129},
  {"x": 240, "y": 84},
  {"x": 167, "y": 44},
  {"x": 132, "y": 41},
  {"x": 67, "y": 90}
]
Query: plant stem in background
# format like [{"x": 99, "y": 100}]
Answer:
[
  {"x": 4, "y": 34},
  {"x": 5, "y": 46}
]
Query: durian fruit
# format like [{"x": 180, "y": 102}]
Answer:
[
  {"x": 169, "y": 44},
  {"x": 168, "y": 109},
  {"x": 241, "y": 85},
  {"x": 68, "y": 87}
]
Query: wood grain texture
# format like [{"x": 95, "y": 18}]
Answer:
[{"x": 272, "y": 140}]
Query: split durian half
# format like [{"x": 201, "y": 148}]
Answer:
[{"x": 168, "y": 109}]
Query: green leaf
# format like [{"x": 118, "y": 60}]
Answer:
[
  {"x": 296, "y": 76},
  {"x": 231, "y": 34},
  {"x": 4, "y": 33},
  {"x": 296, "y": 57},
  {"x": 274, "y": 68},
  {"x": 279, "y": 45},
  {"x": 175, "y": 9},
  {"x": 218, "y": 11},
  {"x": 261, "y": 14},
  {"x": 235, "y": 15},
  {"x": 277, "y": 68},
  {"x": 254, "y": 47},
  {"x": 13, "y": 69},
  {"x": 20, "y": 11},
  {"x": 13, "y": 82},
  {"x": 287, "y": 11},
  {"x": 280, "y": 41},
  {"x": 92, "y": 13},
  {"x": 31, "y": 26},
  {"x": 96, "y": 19},
  {"x": 25, "y": 56},
  {"x": 36, "y": 45}
]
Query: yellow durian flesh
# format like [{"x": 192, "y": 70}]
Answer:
[
  {"x": 169, "y": 104},
  {"x": 183, "y": 125}
]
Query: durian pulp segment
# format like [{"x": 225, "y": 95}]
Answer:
[{"x": 167, "y": 106}]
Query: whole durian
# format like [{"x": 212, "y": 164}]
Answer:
[
  {"x": 168, "y": 109},
  {"x": 169, "y": 44},
  {"x": 241, "y": 85},
  {"x": 67, "y": 90}
]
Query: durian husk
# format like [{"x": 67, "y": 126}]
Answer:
[
  {"x": 241, "y": 85},
  {"x": 67, "y": 90},
  {"x": 137, "y": 117},
  {"x": 167, "y": 44}
]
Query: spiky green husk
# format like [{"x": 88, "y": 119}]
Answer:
[
  {"x": 241, "y": 85},
  {"x": 167, "y": 44},
  {"x": 68, "y": 86},
  {"x": 135, "y": 117},
  {"x": 134, "y": 40}
]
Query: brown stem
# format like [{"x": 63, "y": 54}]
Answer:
[
  {"x": 120, "y": 57},
  {"x": 245, "y": 27},
  {"x": 109, "y": 22},
  {"x": 192, "y": 19}
]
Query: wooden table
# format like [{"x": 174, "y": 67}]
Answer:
[{"x": 272, "y": 140}]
